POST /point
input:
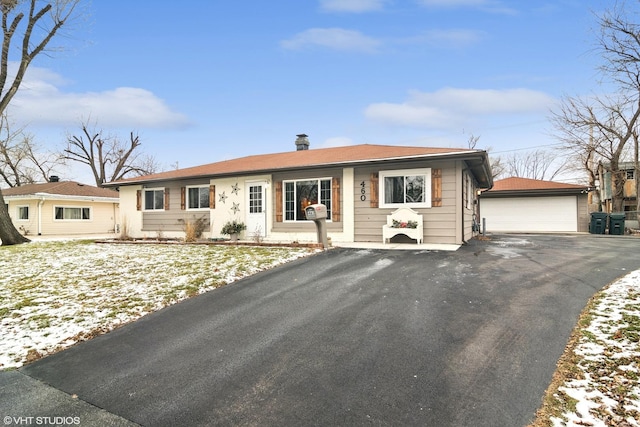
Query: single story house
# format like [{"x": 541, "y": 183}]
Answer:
[
  {"x": 360, "y": 185},
  {"x": 62, "y": 208},
  {"x": 523, "y": 205}
]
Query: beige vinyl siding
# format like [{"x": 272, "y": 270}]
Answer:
[
  {"x": 468, "y": 210},
  {"x": 173, "y": 219},
  {"x": 584, "y": 217},
  {"x": 102, "y": 218},
  {"x": 29, "y": 226},
  {"x": 439, "y": 222}
]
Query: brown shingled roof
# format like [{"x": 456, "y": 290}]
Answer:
[
  {"x": 62, "y": 188},
  {"x": 516, "y": 184},
  {"x": 299, "y": 159}
]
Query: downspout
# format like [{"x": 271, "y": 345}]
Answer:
[
  {"x": 115, "y": 219},
  {"x": 40, "y": 203}
]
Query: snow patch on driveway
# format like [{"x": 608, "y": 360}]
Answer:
[{"x": 508, "y": 248}]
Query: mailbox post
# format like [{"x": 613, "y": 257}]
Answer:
[{"x": 318, "y": 214}]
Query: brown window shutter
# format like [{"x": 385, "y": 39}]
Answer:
[
  {"x": 279, "y": 201},
  {"x": 335, "y": 199},
  {"x": 436, "y": 187},
  {"x": 139, "y": 200},
  {"x": 212, "y": 196},
  {"x": 166, "y": 199},
  {"x": 374, "y": 190},
  {"x": 183, "y": 198}
]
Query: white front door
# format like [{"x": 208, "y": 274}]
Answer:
[{"x": 257, "y": 212}]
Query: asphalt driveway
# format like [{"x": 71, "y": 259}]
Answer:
[{"x": 347, "y": 337}]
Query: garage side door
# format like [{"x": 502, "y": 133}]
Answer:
[{"x": 530, "y": 214}]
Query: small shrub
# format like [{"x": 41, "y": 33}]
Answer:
[
  {"x": 194, "y": 228},
  {"x": 233, "y": 227}
]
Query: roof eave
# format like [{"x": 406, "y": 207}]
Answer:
[
  {"x": 50, "y": 196},
  {"x": 534, "y": 192},
  {"x": 482, "y": 167}
]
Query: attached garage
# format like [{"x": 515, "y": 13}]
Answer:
[{"x": 522, "y": 205}]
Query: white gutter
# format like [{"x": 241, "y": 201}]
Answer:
[
  {"x": 40, "y": 203},
  {"x": 63, "y": 197}
]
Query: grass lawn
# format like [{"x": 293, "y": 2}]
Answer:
[
  {"x": 597, "y": 382},
  {"x": 56, "y": 293}
]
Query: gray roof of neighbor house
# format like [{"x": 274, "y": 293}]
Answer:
[
  {"x": 60, "y": 189},
  {"x": 477, "y": 161},
  {"x": 521, "y": 186}
]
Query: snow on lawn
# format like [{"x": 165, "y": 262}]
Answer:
[
  {"x": 605, "y": 388},
  {"x": 54, "y": 294}
]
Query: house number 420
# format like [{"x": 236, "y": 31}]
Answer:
[{"x": 363, "y": 191}]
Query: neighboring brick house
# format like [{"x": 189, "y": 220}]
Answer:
[{"x": 62, "y": 208}]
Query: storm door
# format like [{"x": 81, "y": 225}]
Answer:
[{"x": 257, "y": 210}]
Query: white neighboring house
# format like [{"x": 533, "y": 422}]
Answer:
[
  {"x": 523, "y": 205},
  {"x": 62, "y": 208}
]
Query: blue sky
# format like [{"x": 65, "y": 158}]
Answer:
[{"x": 203, "y": 81}]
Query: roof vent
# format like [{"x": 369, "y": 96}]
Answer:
[
  {"x": 302, "y": 142},
  {"x": 54, "y": 178}
]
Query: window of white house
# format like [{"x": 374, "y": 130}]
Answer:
[
  {"x": 302, "y": 193},
  {"x": 64, "y": 213},
  {"x": 23, "y": 213},
  {"x": 154, "y": 199},
  {"x": 198, "y": 197},
  {"x": 630, "y": 174},
  {"x": 409, "y": 187}
]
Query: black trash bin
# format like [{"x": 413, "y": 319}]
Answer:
[
  {"x": 598, "y": 223},
  {"x": 616, "y": 223}
]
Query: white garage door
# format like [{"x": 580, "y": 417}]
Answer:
[{"x": 530, "y": 214}]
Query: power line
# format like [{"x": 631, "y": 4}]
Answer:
[{"x": 527, "y": 148}]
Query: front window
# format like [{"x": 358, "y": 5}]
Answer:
[
  {"x": 78, "y": 214},
  {"x": 154, "y": 199},
  {"x": 411, "y": 188},
  {"x": 302, "y": 193},
  {"x": 198, "y": 197},
  {"x": 23, "y": 213}
]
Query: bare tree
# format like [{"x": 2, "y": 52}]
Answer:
[
  {"x": 497, "y": 167},
  {"x": 473, "y": 141},
  {"x": 35, "y": 23},
  {"x": 536, "y": 164},
  {"x": 598, "y": 132},
  {"x": 21, "y": 160},
  {"x": 107, "y": 156},
  {"x": 597, "y": 129}
]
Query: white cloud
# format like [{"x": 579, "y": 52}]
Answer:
[
  {"x": 332, "y": 38},
  {"x": 352, "y": 5},
  {"x": 450, "y": 108},
  {"x": 40, "y": 101}
]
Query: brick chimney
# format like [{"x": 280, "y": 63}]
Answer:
[{"x": 302, "y": 142}]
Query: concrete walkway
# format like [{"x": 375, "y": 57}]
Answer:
[{"x": 353, "y": 245}]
